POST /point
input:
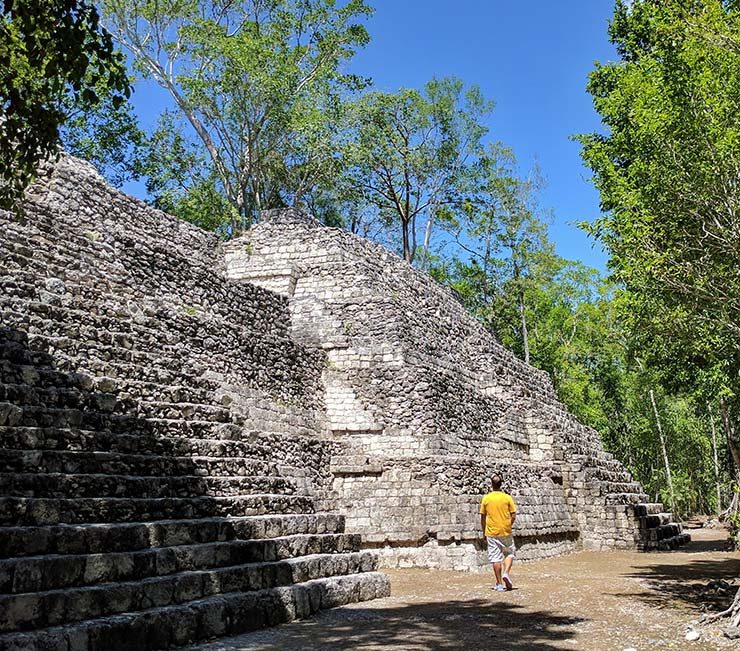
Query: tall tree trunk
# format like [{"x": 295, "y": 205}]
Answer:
[
  {"x": 525, "y": 334},
  {"x": 664, "y": 451},
  {"x": 406, "y": 245},
  {"x": 428, "y": 239},
  {"x": 718, "y": 509},
  {"x": 730, "y": 433}
]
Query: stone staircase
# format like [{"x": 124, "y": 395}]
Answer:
[
  {"x": 104, "y": 535},
  {"x": 145, "y": 502},
  {"x": 602, "y": 476},
  {"x": 657, "y": 529}
]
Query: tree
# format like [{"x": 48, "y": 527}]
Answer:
[
  {"x": 49, "y": 50},
  {"x": 106, "y": 134},
  {"x": 257, "y": 87},
  {"x": 668, "y": 173},
  {"x": 499, "y": 227},
  {"x": 411, "y": 152},
  {"x": 668, "y": 170}
]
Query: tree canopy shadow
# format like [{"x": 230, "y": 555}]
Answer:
[
  {"x": 713, "y": 545},
  {"x": 439, "y": 626},
  {"x": 703, "y": 585}
]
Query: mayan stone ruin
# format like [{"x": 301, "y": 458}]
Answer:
[{"x": 202, "y": 438}]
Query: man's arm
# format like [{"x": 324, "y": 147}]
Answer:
[
  {"x": 513, "y": 517},
  {"x": 483, "y": 523}
]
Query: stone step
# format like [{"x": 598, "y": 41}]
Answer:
[
  {"x": 200, "y": 620},
  {"x": 35, "y": 416},
  {"x": 655, "y": 520},
  {"x": 196, "y": 429},
  {"x": 175, "y": 410},
  {"x": 115, "y": 463},
  {"x": 648, "y": 508},
  {"x": 8, "y": 336},
  {"x": 227, "y": 311},
  {"x": 601, "y": 474},
  {"x": 191, "y": 390},
  {"x": 61, "y": 485},
  {"x": 662, "y": 532},
  {"x": 76, "y": 326},
  {"x": 625, "y": 498},
  {"x": 628, "y": 488},
  {"x": 138, "y": 381},
  {"x": 78, "y": 352},
  {"x": 52, "y": 572},
  {"x": 32, "y": 610},
  {"x": 595, "y": 463},
  {"x": 17, "y": 354},
  {"x": 665, "y": 544},
  {"x": 23, "y": 395},
  {"x": 225, "y": 440},
  {"x": 101, "y": 415},
  {"x": 97, "y": 359},
  {"x": 22, "y": 511},
  {"x": 193, "y": 429},
  {"x": 133, "y": 536},
  {"x": 38, "y": 392}
]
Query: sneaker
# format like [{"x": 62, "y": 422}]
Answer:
[
  {"x": 499, "y": 588},
  {"x": 507, "y": 582}
]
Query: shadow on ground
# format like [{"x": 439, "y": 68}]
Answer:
[
  {"x": 709, "y": 545},
  {"x": 456, "y": 625},
  {"x": 701, "y": 584}
]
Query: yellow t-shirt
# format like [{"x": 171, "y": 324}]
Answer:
[{"x": 497, "y": 507}]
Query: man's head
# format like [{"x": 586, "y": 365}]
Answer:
[{"x": 496, "y": 482}]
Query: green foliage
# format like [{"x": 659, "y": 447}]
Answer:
[
  {"x": 667, "y": 173},
  {"x": 258, "y": 86},
  {"x": 203, "y": 205},
  {"x": 687, "y": 442},
  {"x": 577, "y": 326},
  {"x": 50, "y": 50},
  {"x": 411, "y": 152},
  {"x": 106, "y": 134},
  {"x": 181, "y": 180}
]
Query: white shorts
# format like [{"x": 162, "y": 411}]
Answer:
[{"x": 499, "y": 548}]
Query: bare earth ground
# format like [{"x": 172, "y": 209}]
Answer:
[{"x": 596, "y": 601}]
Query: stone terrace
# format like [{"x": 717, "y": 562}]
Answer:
[
  {"x": 186, "y": 426},
  {"x": 161, "y": 452},
  {"x": 424, "y": 405}
]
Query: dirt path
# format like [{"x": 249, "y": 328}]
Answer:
[{"x": 595, "y": 601}]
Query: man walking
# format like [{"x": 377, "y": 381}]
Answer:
[{"x": 497, "y": 514}]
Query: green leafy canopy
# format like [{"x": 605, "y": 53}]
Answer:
[{"x": 49, "y": 50}]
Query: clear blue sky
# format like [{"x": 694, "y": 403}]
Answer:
[{"x": 532, "y": 58}]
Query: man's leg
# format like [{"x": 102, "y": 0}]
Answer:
[
  {"x": 508, "y": 561},
  {"x": 495, "y": 558}
]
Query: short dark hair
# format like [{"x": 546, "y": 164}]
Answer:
[{"x": 496, "y": 482}]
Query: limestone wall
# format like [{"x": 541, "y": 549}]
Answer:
[
  {"x": 425, "y": 405},
  {"x": 136, "y": 302},
  {"x": 292, "y": 369},
  {"x": 161, "y": 436}
]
